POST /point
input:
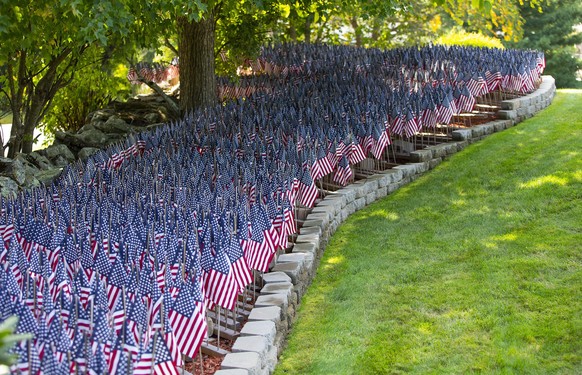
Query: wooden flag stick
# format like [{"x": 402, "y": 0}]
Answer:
[
  {"x": 201, "y": 361},
  {"x": 29, "y": 354},
  {"x": 218, "y": 325},
  {"x": 153, "y": 354}
]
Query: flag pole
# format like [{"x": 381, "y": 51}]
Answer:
[
  {"x": 201, "y": 361},
  {"x": 153, "y": 365}
]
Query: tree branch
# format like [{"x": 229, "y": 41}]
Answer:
[
  {"x": 154, "y": 86},
  {"x": 172, "y": 48}
]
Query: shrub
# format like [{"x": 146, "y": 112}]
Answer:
[
  {"x": 91, "y": 89},
  {"x": 463, "y": 38}
]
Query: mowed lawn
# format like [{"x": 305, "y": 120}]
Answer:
[{"x": 476, "y": 267}]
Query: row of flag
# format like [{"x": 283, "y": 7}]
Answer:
[
  {"x": 154, "y": 72},
  {"x": 113, "y": 266}
]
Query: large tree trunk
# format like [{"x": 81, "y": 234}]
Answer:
[{"x": 197, "y": 76}]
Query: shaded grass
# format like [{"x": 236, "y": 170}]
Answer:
[{"x": 474, "y": 267}]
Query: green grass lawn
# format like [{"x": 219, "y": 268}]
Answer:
[{"x": 474, "y": 267}]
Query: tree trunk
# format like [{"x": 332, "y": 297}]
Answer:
[
  {"x": 292, "y": 33},
  {"x": 197, "y": 76},
  {"x": 357, "y": 31},
  {"x": 307, "y": 27},
  {"x": 15, "y": 140},
  {"x": 30, "y": 101}
]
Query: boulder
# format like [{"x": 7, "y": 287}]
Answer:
[
  {"x": 30, "y": 171},
  {"x": 13, "y": 169},
  {"x": 39, "y": 161},
  {"x": 97, "y": 138},
  {"x": 69, "y": 139},
  {"x": 54, "y": 151},
  {"x": 90, "y": 138},
  {"x": 60, "y": 161},
  {"x": 152, "y": 118},
  {"x": 113, "y": 125},
  {"x": 31, "y": 181},
  {"x": 89, "y": 126},
  {"x": 8, "y": 187},
  {"x": 86, "y": 152},
  {"x": 99, "y": 115},
  {"x": 47, "y": 176}
]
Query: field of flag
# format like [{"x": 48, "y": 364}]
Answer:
[{"x": 115, "y": 266}]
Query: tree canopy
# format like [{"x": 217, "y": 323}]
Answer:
[
  {"x": 45, "y": 44},
  {"x": 550, "y": 28}
]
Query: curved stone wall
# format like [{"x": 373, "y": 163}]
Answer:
[{"x": 256, "y": 350}]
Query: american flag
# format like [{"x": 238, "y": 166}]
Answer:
[
  {"x": 381, "y": 141},
  {"x": 26, "y": 322},
  {"x": 97, "y": 361},
  {"x": 308, "y": 192},
  {"x": 163, "y": 363},
  {"x": 343, "y": 173},
  {"x": 187, "y": 318},
  {"x": 144, "y": 365},
  {"x": 119, "y": 360},
  {"x": 240, "y": 269},
  {"x": 261, "y": 245},
  {"x": 50, "y": 365}
]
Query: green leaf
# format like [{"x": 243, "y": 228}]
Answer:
[{"x": 285, "y": 10}]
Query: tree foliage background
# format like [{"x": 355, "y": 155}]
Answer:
[
  {"x": 550, "y": 28},
  {"x": 58, "y": 53}
]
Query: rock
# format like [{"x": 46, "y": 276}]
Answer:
[
  {"x": 14, "y": 169},
  {"x": 113, "y": 125},
  {"x": 30, "y": 171},
  {"x": 60, "y": 161},
  {"x": 152, "y": 118},
  {"x": 8, "y": 187},
  {"x": 47, "y": 176},
  {"x": 99, "y": 115},
  {"x": 87, "y": 127},
  {"x": 86, "y": 152},
  {"x": 31, "y": 181},
  {"x": 90, "y": 138},
  {"x": 23, "y": 158},
  {"x": 39, "y": 160},
  {"x": 151, "y": 126},
  {"x": 95, "y": 138},
  {"x": 60, "y": 152}
]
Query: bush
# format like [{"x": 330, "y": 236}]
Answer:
[
  {"x": 91, "y": 89},
  {"x": 463, "y": 38}
]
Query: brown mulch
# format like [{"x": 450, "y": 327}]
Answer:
[{"x": 209, "y": 364}]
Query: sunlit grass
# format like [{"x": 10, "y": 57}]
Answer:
[{"x": 475, "y": 267}]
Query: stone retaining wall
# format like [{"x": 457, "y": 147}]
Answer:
[{"x": 256, "y": 350}]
